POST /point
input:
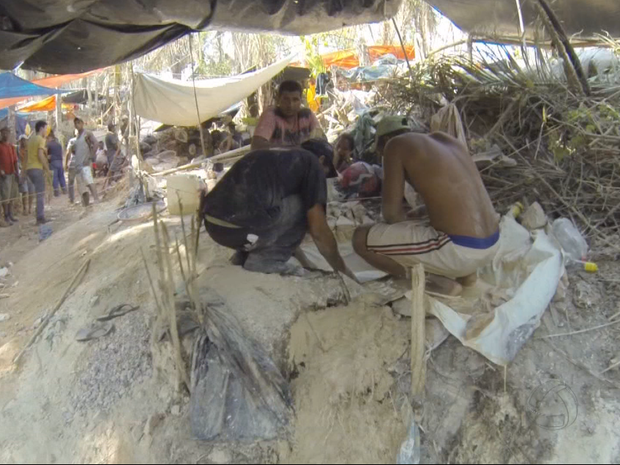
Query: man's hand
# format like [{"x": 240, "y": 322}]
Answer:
[{"x": 324, "y": 239}]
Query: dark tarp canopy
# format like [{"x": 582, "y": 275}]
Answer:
[
  {"x": 501, "y": 17},
  {"x": 80, "y": 97},
  {"x": 71, "y": 36}
]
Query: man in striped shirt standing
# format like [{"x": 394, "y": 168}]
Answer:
[{"x": 462, "y": 231}]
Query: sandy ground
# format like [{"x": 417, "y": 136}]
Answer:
[{"x": 113, "y": 400}]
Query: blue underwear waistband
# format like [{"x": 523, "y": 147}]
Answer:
[{"x": 475, "y": 242}]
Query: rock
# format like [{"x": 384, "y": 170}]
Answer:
[
  {"x": 94, "y": 301},
  {"x": 2, "y": 335},
  {"x": 4, "y": 272},
  {"x": 175, "y": 410},
  {"x": 220, "y": 456},
  {"x": 4, "y": 316},
  {"x": 534, "y": 217},
  {"x": 152, "y": 423},
  {"x": 37, "y": 322}
]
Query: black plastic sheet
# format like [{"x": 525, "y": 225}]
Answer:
[
  {"x": 73, "y": 36},
  {"x": 501, "y": 17}
]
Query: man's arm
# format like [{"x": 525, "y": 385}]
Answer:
[
  {"x": 325, "y": 240},
  {"x": 260, "y": 143},
  {"x": 393, "y": 183},
  {"x": 43, "y": 159},
  {"x": 92, "y": 144},
  {"x": 264, "y": 130}
]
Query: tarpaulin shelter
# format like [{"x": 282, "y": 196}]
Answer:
[
  {"x": 349, "y": 59},
  {"x": 346, "y": 59},
  {"x": 20, "y": 121},
  {"x": 51, "y": 81},
  {"x": 48, "y": 104},
  {"x": 72, "y": 36},
  {"x": 80, "y": 97},
  {"x": 12, "y": 86},
  {"x": 501, "y": 17},
  {"x": 377, "y": 51},
  {"x": 171, "y": 101}
]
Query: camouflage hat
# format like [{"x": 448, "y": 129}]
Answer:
[{"x": 390, "y": 124}]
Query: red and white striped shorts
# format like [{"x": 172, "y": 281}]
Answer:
[{"x": 412, "y": 242}]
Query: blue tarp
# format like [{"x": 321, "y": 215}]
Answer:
[
  {"x": 20, "y": 122},
  {"x": 11, "y": 86}
]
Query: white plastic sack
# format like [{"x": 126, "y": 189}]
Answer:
[{"x": 529, "y": 272}]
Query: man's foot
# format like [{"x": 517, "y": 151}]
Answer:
[
  {"x": 13, "y": 219},
  {"x": 239, "y": 258},
  {"x": 443, "y": 285},
  {"x": 43, "y": 221}
]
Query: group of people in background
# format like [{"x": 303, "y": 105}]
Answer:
[{"x": 39, "y": 162}]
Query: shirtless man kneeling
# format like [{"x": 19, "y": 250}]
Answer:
[{"x": 463, "y": 234}]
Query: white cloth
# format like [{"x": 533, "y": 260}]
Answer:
[
  {"x": 171, "y": 101},
  {"x": 101, "y": 159},
  {"x": 84, "y": 178}
]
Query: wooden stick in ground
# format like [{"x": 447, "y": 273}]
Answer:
[
  {"x": 418, "y": 316},
  {"x": 80, "y": 273},
  {"x": 148, "y": 273},
  {"x": 167, "y": 286}
]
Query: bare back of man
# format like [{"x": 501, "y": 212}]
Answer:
[
  {"x": 463, "y": 230},
  {"x": 444, "y": 174}
]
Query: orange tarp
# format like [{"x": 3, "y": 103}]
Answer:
[
  {"x": 348, "y": 58},
  {"x": 344, "y": 59},
  {"x": 52, "y": 81},
  {"x": 48, "y": 104},
  {"x": 377, "y": 51}
]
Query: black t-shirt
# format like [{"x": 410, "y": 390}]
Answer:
[
  {"x": 250, "y": 194},
  {"x": 54, "y": 149},
  {"x": 111, "y": 143}
]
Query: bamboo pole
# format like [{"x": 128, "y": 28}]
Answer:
[
  {"x": 570, "y": 51},
  {"x": 402, "y": 45},
  {"x": 191, "y": 54},
  {"x": 418, "y": 336}
]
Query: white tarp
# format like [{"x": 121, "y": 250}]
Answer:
[
  {"x": 171, "y": 101},
  {"x": 528, "y": 273},
  {"x": 516, "y": 290}
]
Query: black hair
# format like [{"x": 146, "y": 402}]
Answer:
[
  {"x": 77, "y": 120},
  {"x": 39, "y": 125},
  {"x": 289, "y": 86},
  {"x": 111, "y": 127},
  {"x": 349, "y": 138},
  {"x": 322, "y": 148}
]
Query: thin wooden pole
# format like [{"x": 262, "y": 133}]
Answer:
[
  {"x": 191, "y": 54},
  {"x": 570, "y": 51},
  {"x": 402, "y": 45},
  {"x": 418, "y": 330}
]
